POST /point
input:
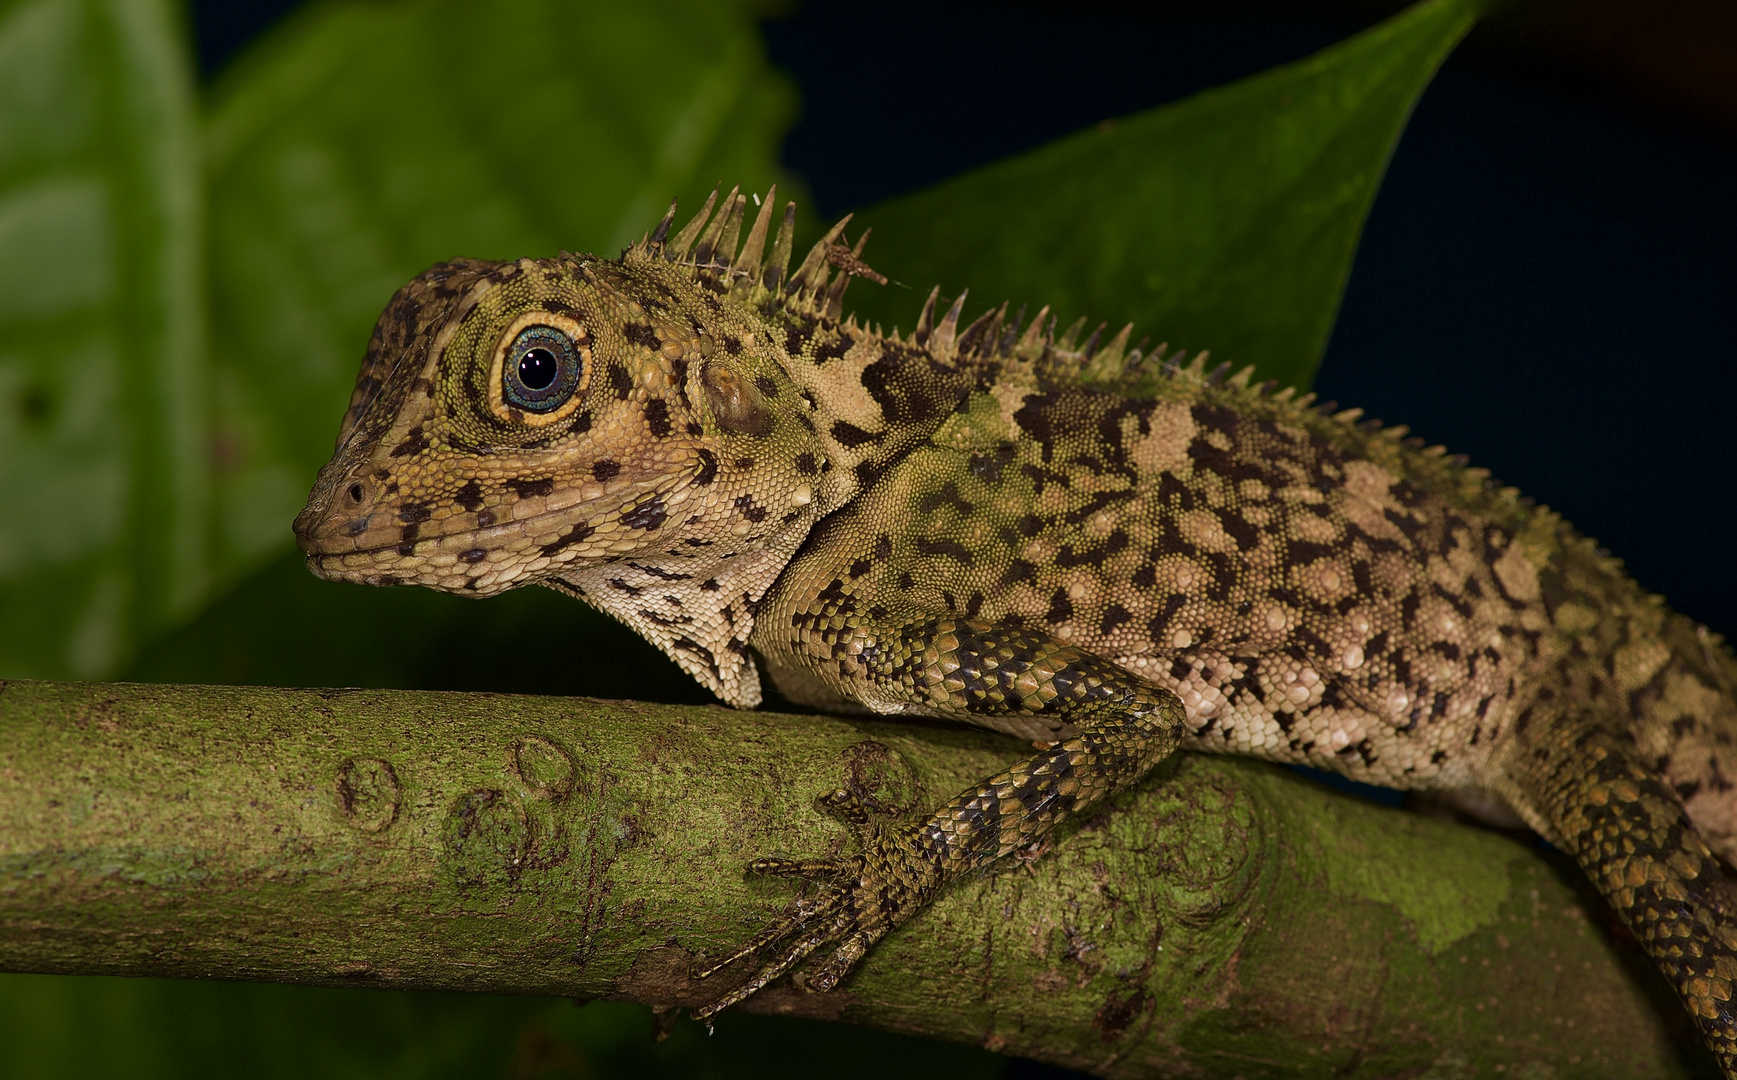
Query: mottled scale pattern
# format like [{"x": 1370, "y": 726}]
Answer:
[
  {"x": 1104, "y": 549},
  {"x": 1304, "y": 603}
]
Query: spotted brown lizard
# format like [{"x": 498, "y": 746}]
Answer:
[{"x": 1104, "y": 549}]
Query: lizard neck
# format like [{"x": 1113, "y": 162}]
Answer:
[
  {"x": 867, "y": 399},
  {"x": 871, "y": 398}
]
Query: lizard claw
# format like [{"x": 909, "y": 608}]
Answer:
[
  {"x": 868, "y": 896},
  {"x": 814, "y": 868},
  {"x": 839, "y": 964},
  {"x": 801, "y": 914}
]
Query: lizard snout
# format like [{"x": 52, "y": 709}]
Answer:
[{"x": 337, "y": 514}]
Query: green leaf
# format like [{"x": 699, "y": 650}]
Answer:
[
  {"x": 361, "y": 143},
  {"x": 152, "y": 1028},
  {"x": 1226, "y": 221},
  {"x": 104, "y": 463}
]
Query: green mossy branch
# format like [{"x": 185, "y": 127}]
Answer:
[{"x": 1226, "y": 918}]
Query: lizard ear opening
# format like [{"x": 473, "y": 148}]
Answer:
[
  {"x": 736, "y": 404},
  {"x": 541, "y": 369}
]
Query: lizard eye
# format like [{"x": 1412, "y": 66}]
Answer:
[{"x": 542, "y": 368}]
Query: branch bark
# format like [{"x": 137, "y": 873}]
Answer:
[{"x": 1226, "y": 918}]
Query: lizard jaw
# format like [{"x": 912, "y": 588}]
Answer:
[
  {"x": 382, "y": 545},
  {"x": 440, "y": 569},
  {"x": 470, "y": 562}
]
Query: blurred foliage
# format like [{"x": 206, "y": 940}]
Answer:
[
  {"x": 259, "y": 1031},
  {"x": 282, "y": 628},
  {"x": 102, "y": 382},
  {"x": 181, "y": 316}
]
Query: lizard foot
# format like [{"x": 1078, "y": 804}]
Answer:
[
  {"x": 867, "y": 895},
  {"x": 901, "y": 867}
]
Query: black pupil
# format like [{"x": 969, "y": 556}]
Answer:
[{"x": 537, "y": 368}]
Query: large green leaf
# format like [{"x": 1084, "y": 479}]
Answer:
[
  {"x": 1226, "y": 221},
  {"x": 362, "y": 143},
  {"x": 104, "y": 463}
]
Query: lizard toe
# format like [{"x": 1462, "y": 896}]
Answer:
[
  {"x": 871, "y": 894},
  {"x": 820, "y": 869},
  {"x": 839, "y": 964}
]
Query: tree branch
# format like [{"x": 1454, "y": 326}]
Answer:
[{"x": 1227, "y": 917}]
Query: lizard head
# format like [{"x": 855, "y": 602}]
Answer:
[
  {"x": 515, "y": 422},
  {"x": 655, "y": 434}
]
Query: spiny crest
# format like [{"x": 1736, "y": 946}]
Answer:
[
  {"x": 708, "y": 244},
  {"x": 1065, "y": 361}
]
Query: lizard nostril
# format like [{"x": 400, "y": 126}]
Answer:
[{"x": 356, "y": 494}]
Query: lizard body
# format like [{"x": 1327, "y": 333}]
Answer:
[{"x": 1072, "y": 542}]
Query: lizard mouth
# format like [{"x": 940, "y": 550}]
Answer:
[
  {"x": 353, "y": 531},
  {"x": 340, "y": 558},
  {"x": 381, "y": 548},
  {"x": 352, "y": 537}
]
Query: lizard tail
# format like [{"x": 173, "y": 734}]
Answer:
[{"x": 1627, "y": 829}]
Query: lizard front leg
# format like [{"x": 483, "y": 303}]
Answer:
[{"x": 984, "y": 674}]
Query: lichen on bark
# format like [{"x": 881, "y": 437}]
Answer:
[{"x": 1224, "y": 918}]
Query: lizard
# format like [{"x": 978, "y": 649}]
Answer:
[{"x": 1106, "y": 550}]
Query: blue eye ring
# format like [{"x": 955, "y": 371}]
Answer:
[{"x": 541, "y": 370}]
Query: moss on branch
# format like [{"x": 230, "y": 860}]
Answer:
[{"x": 1226, "y": 918}]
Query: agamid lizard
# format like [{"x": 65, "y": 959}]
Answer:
[{"x": 1100, "y": 548}]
